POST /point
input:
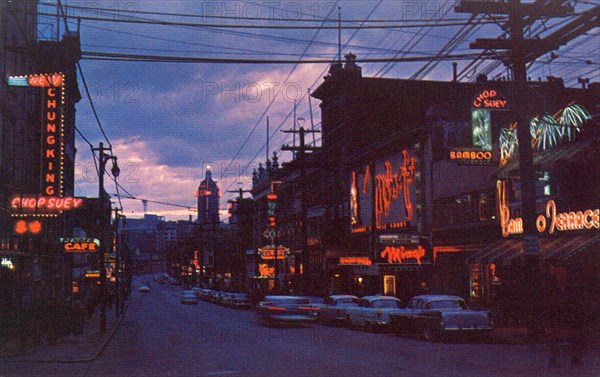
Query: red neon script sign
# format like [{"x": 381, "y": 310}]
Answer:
[
  {"x": 395, "y": 254},
  {"x": 388, "y": 186}
]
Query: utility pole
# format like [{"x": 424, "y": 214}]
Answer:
[
  {"x": 301, "y": 158},
  {"x": 103, "y": 159},
  {"x": 117, "y": 265},
  {"x": 519, "y": 47}
]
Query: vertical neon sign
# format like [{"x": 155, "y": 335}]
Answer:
[{"x": 52, "y": 132}]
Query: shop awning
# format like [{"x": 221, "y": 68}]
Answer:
[
  {"x": 559, "y": 248},
  {"x": 549, "y": 158}
]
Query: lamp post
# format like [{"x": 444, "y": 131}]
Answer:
[{"x": 103, "y": 159}]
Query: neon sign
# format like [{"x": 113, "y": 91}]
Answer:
[
  {"x": 395, "y": 254},
  {"x": 547, "y": 131},
  {"x": 471, "y": 156},
  {"x": 44, "y": 80},
  {"x": 268, "y": 252},
  {"x": 80, "y": 245},
  {"x": 52, "y": 203},
  {"x": 52, "y": 132},
  {"x": 382, "y": 195},
  {"x": 551, "y": 220},
  {"x": 51, "y": 144},
  {"x": 490, "y": 99},
  {"x": 360, "y": 261},
  {"x": 264, "y": 270},
  {"x": 388, "y": 186},
  {"x": 22, "y": 227},
  {"x": 481, "y": 129},
  {"x": 7, "y": 263}
]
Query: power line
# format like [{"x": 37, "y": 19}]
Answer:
[
  {"x": 94, "y": 55},
  {"x": 273, "y": 99},
  {"x": 236, "y": 18},
  {"x": 273, "y": 27},
  {"x": 304, "y": 94}
]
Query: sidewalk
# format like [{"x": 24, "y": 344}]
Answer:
[{"x": 70, "y": 348}]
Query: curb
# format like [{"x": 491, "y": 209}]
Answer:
[{"x": 94, "y": 355}]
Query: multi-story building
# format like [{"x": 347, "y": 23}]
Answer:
[
  {"x": 38, "y": 94},
  {"x": 402, "y": 192}
]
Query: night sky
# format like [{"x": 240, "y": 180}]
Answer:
[{"x": 168, "y": 122}]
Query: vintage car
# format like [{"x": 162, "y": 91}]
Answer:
[
  {"x": 333, "y": 309},
  {"x": 188, "y": 297},
  {"x": 434, "y": 316},
  {"x": 286, "y": 310},
  {"x": 238, "y": 300},
  {"x": 372, "y": 312}
]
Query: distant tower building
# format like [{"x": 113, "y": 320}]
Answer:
[{"x": 208, "y": 200}]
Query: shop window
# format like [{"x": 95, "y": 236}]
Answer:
[{"x": 487, "y": 207}]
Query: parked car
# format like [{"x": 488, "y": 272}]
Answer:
[
  {"x": 434, "y": 316},
  {"x": 286, "y": 310},
  {"x": 188, "y": 297},
  {"x": 225, "y": 298},
  {"x": 372, "y": 312},
  {"x": 239, "y": 300},
  {"x": 333, "y": 309},
  {"x": 214, "y": 296},
  {"x": 205, "y": 294},
  {"x": 197, "y": 292},
  {"x": 144, "y": 289}
]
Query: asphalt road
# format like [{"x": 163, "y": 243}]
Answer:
[{"x": 161, "y": 337}]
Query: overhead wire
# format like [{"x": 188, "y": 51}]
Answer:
[
  {"x": 235, "y": 18},
  {"x": 289, "y": 114},
  {"x": 272, "y": 27},
  {"x": 272, "y": 100}
]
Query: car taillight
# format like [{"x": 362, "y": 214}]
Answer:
[
  {"x": 275, "y": 308},
  {"x": 378, "y": 312}
]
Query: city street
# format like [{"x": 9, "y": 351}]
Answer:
[{"x": 161, "y": 337}]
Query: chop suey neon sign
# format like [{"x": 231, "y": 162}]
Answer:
[{"x": 552, "y": 221}]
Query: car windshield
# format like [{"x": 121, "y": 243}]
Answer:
[
  {"x": 346, "y": 302},
  {"x": 385, "y": 304},
  {"x": 447, "y": 304}
]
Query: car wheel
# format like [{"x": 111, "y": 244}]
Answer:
[{"x": 430, "y": 333}]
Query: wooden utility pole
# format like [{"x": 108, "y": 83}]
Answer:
[
  {"x": 301, "y": 158},
  {"x": 518, "y": 15}
]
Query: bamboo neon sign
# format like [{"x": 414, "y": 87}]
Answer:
[{"x": 552, "y": 221}]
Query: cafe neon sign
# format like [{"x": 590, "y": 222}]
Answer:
[
  {"x": 552, "y": 221},
  {"x": 80, "y": 245}
]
